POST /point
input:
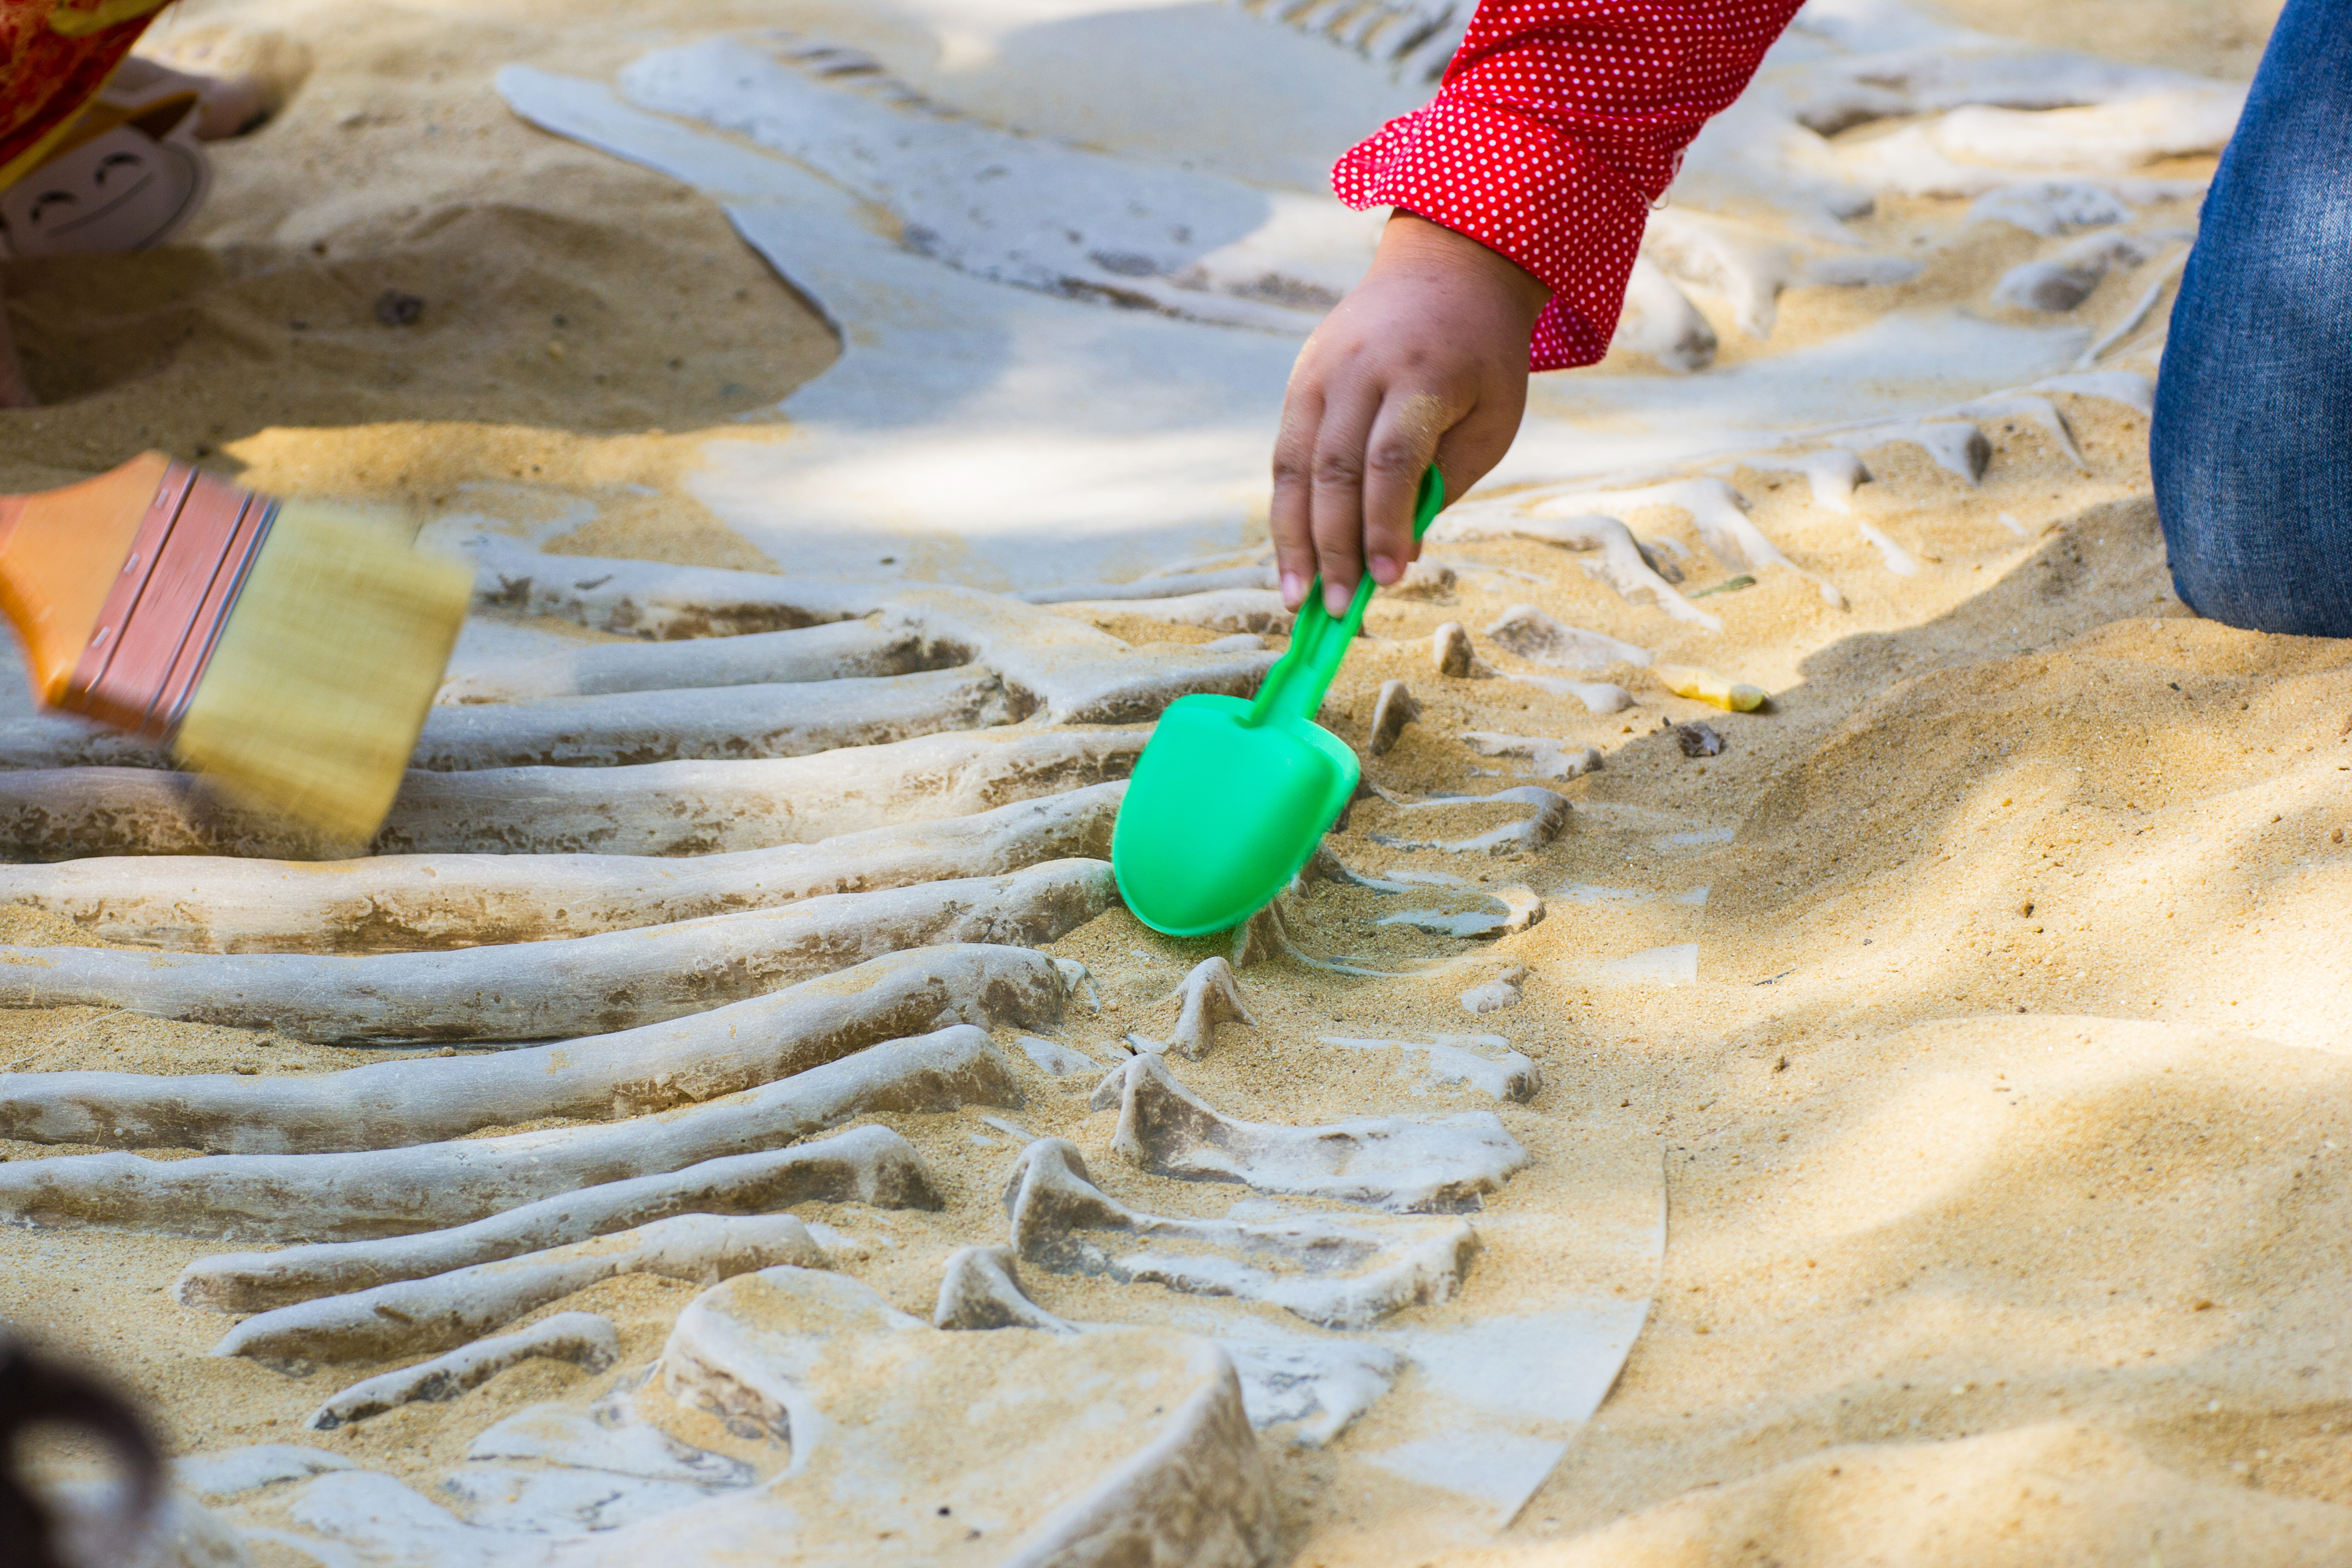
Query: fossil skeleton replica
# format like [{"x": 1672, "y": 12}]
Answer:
[
  {"x": 735, "y": 915},
  {"x": 713, "y": 982}
]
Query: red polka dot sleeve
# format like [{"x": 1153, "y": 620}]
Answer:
[{"x": 1558, "y": 124}]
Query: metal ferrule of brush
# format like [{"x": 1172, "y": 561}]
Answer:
[{"x": 164, "y": 613}]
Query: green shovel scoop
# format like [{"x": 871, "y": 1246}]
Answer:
[{"x": 1231, "y": 797}]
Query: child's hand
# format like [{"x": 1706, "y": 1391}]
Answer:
[{"x": 1426, "y": 360}]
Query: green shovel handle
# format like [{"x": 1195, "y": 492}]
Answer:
[{"x": 1298, "y": 680}]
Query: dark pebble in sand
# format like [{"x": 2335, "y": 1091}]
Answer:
[
  {"x": 394, "y": 308},
  {"x": 1699, "y": 739}
]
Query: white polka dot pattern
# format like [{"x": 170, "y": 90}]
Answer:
[{"x": 1558, "y": 124}]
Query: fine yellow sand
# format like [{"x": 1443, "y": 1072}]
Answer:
[{"x": 2006, "y": 1124}]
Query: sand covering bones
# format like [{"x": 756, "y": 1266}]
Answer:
[{"x": 1982, "y": 993}]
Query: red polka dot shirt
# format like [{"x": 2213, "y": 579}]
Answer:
[{"x": 1558, "y": 124}]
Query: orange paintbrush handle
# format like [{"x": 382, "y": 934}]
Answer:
[
  {"x": 60, "y": 555},
  {"x": 119, "y": 585}
]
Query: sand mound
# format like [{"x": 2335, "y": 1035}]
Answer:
[
  {"x": 2056, "y": 1493},
  {"x": 2145, "y": 821}
]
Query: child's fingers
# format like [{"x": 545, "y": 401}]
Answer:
[
  {"x": 1290, "y": 519},
  {"x": 1402, "y": 442},
  {"x": 1338, "y": 499}
]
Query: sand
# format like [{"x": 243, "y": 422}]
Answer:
[{"x": 2005, "y": 1121}]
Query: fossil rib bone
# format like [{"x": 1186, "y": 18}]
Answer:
[
  {"x": 656, "y": 601},
  {"x": 1392, "y": 711},
  {"x": 1510, "y": 911},
  {"x": 616, "y": 729},
  {"x": 1956, "y": 446},
  {"x": 1223, "y": 610},
  {"x": 1533, "y": 635},
  {"x": 402, "y": 903},
  {"x": 1072, "y": 672},
  {"x": 1394, "y": 1163},
  {"x": 1414, "y": 38},
  {"x": 1620, "y": 566},
  {"x": 623, "y": 728},
  {"x": 1341, "y": 1274},
  {"x": 1553, "y": 759},
  {"x": 1484, "y": 1062},
  {"x": 650, "y": 1069},
  {"x": 1719, "y": 514},
  {"x": 1539, "y": 828},
  {"x": 450, "y": 1309},
  {"x": 394, "y": 1191},
  {"x": 981, "y": 1289},
  {"x": 840, "y": 650},
  {"x": 65, "y": 741},
  {"x": 585, "y": 1338},
  {"x": 1211, "y": 997},
  {"x": 1450, "y": 653},
  {"x": 1832, "y": 474},
  {"x": 868, "y": 1164},
  {"x": 1173, "y": 585},
  {"x": 653, "y": 809},
  {"x": 538, "y": 991}
]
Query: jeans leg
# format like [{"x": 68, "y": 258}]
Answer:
[{"x": 2251, "y": 446}]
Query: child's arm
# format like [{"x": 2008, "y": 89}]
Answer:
[{"x": 1531, "y": 171}]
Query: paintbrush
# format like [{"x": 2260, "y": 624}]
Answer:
[{"x": 283, "y": 649}]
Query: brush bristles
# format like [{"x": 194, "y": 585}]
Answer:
[{"x": 314, "y": 696}]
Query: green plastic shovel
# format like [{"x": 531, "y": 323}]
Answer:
[{"x": 1231, "y": 797}]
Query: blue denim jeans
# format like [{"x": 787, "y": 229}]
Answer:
[{"x": 2253, "y": 406}]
